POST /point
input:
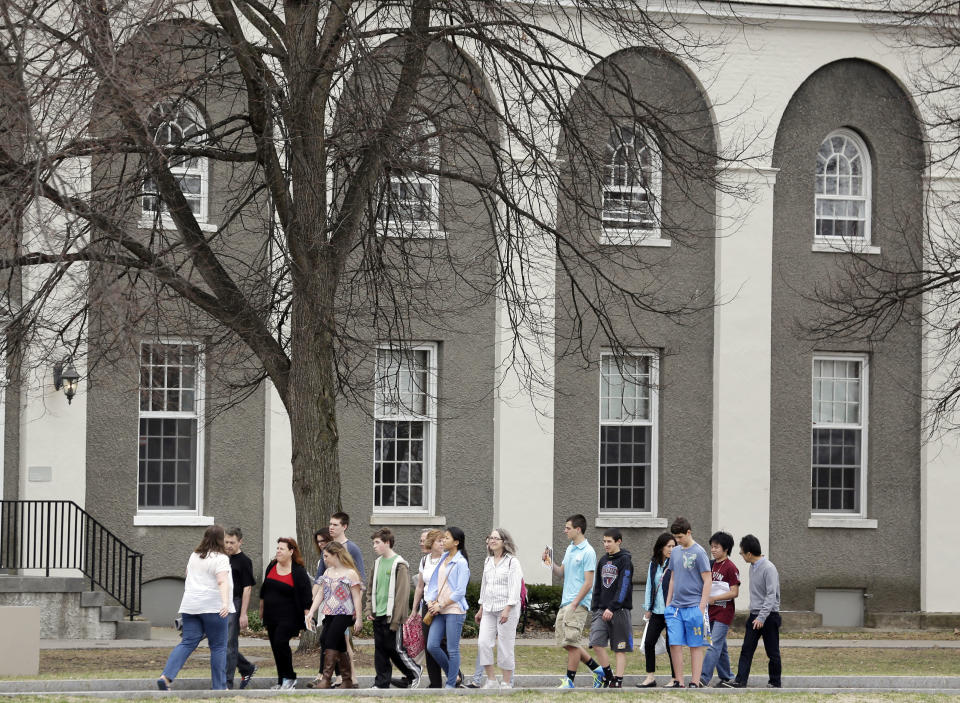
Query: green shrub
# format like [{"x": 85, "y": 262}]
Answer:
[
  {"x": 254, "y": 624},
  {"x": 543, "y": 602}
]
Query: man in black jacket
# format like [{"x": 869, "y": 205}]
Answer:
[{"x": 612, "y": 604}]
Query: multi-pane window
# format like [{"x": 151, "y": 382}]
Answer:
[
  {"x": 628, "y": 410},
  {"x": 839, "y": 423},
  {"x": 178, "y": 124},
  {"x": 405, "y": 427},
  {"x": 412, "y": 196},
  {"x": 631, "y": 181},
  {"x": 843, "y": 187},
  {"x": 169, "y": 426}
]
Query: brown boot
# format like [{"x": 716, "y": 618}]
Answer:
[
  {"x": 346, "y": 671},
  {"x": 329, "y": 662}
]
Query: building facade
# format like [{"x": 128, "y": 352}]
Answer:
[{"x": 734, "y": 418}]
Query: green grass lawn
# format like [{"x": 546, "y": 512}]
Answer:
[{"x": 147, "y": 663}]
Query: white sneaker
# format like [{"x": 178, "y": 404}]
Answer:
[
  {"x": 288, "y": 684},
  {"x": 491, "y": 683},
  {"x": 506, "y": 684}
]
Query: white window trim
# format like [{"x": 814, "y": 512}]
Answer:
[
  {"x": 411, "y": 230},
  {"x": 654, "y": 422},
  {"x": 166, "y": 224},
  {"x": 146, "y": 516},
  {"x": 417, "y": 229},
  {"x": 634, "y": 238},
  {"x": 838, "y": 518},
  {"x": 625, "y": 236},
  {"x": 845, "y": 244},
  {"x": 397, "y": 514},
  {"x": 148, "y": 217},
  {"x": 848, "y": 523}
]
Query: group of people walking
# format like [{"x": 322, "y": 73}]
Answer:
[{"x": 688, "y": 598}]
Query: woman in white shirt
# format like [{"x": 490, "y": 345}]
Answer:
[
  {"x": 205, "y": 608},
  {"x": 431, "y": 541},
  {"x": 499, "y": 607}
]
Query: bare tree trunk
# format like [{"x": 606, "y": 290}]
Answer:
[{"x": 311, "y": 405}]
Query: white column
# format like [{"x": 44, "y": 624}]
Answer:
[
  {"x": 279, "y": 511},
  {"x": 742, "y": 329},
  {"x": 940, "y": 454},
  {"x": 523, "y": 409}
]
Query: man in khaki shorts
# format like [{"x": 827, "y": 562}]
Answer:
[{"x": 577, "y": 570}]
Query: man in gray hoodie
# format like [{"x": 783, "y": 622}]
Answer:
[{"x": 764, "y": 620}]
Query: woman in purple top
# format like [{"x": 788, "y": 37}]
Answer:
[{"x": 338, "y": 598}]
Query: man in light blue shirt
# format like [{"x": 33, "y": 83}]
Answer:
[{"x": 577, "y": 570}]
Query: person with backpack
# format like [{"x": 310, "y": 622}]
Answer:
[{"x": 499, "y": 607}]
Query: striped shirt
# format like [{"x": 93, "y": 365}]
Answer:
[{"x": 501, "y": 583}]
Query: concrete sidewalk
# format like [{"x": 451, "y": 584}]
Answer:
[
  {"x": 167, "y": 637},
  {"x": 198, "y": 687}
]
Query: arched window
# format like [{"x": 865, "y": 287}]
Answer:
[
  {"x": 631, "y": 182},
  {"x": 411, "y": 199},
  {"x": 174, "y": 124},
  {"x": 843, "y": 188}
]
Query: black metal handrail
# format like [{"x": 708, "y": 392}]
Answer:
[{"x": 59, "y": 534}]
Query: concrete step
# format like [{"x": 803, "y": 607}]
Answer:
[
  {"x": 111, "y": 613},
  {"x": 43, "y": 584},
  {"x": 133, "y": 629},
  {"x": 92, "y": 599},
  {"x": 200, "y": 686}
]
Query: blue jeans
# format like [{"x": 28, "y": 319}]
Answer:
[
  {"x": 449, "y": 661},
  {"x": 194, "y": 628},
  {"x": 235, "y": 659},
  {"x": 717, "y": 655}
]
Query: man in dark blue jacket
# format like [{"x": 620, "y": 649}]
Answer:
[{"x": 612, "y": 604}]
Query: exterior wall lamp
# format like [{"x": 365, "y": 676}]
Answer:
[{"x": 65, "y": 376}]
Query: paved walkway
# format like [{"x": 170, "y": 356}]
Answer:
[
  {"x": 198, "y": 687},
  {"x": 167, "y": 637}
]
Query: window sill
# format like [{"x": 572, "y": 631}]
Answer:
[
  {"x": 407, "y": 519},
  {"x": 168, "y": 520},
  {"x": 426, "y": 230},
  {"x": 166, "y": 224},
  {"x": 835, "y": 521},
  {"x": 843, "y": 246},
  {"x": 630, "y": 521},
  {"x": 632, "y": 238}
]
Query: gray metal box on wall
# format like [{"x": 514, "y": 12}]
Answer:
[{"x": 840, "y": 607}]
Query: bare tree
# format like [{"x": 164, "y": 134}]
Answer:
[{"x": 351, "y": 134}]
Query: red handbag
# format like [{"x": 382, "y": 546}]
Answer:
[{"x": 412, "y": 636}]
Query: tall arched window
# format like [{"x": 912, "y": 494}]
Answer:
[
  {"x": 411, "y": 199},
  {"x": 631, "y": 182},
  {"x": 174, "y": 124},
  {"x": 843, "y": 188}
]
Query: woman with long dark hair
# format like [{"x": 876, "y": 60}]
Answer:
[
  {"x": 658, "y": 583},
  {"x": 447, "y": 603},
  {"x": 285, "y": 598},
  {"x": 339, "y": 601},
  {"x": 204, "y": 610}
]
